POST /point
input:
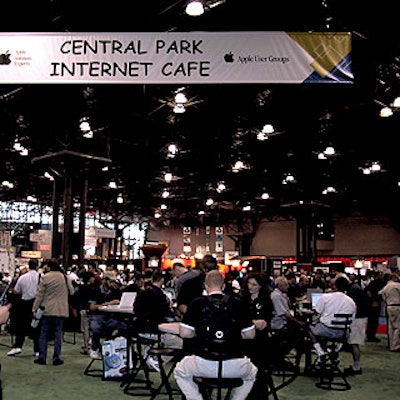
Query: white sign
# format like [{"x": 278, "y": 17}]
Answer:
[
  {"x": 229, "y": 256},
  {"x": 5, "y": 238},
  {"x": 7, "y": 260},
  {"x": 176, "y": 57},
  {"x": 105, "y": 233}
]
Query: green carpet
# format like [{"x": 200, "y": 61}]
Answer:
[{"x": 24, "y": 380}]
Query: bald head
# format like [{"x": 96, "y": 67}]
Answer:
[{"x": 214, "y": 280}]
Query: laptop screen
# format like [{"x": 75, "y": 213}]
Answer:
[
  {"x": 312, "y": 290},
  {"x": 315, "y": 298},
  {"x": 127, "y": 299}
]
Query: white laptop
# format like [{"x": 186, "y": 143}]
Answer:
[
  {"x": 312, "y": 290},
  {"x": 315, "y": 296},
  {"x": 125, "y": 304}
]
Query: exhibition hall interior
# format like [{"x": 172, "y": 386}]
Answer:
[{"x": 137, "y": 174}]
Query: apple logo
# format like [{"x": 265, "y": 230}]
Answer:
[
  {"x": 5, "y": 58},
  {"x": 228, "y": 57}
]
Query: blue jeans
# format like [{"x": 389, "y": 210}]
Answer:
[
  {"x": 51, "y": 325},
  {"x": 103, "y": 326}
]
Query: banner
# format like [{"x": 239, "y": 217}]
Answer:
[{"x": 173, "y": 57}]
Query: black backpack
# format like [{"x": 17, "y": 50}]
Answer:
[{"x": 218, "y": 329}]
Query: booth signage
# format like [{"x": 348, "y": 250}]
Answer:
[{"x": 176, "y": 57}]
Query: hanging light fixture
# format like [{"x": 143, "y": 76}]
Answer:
[{"x": 194, "y": 8}]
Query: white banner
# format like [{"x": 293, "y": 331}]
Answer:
[{"x": 173, "y": 57}]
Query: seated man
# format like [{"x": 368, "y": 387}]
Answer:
[
  {"x": 330, "y": 303},
  {"x": 152, "y": 307},
  {"x": 195, "y": 325},
  {"x": 289, "y": 330},
  {"x": 101, "y": 323}
]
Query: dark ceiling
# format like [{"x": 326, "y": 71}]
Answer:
[{"x": 133, "y": 123}]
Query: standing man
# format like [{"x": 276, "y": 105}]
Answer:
[
  {"x": 194, "y": 286},
  {"x": 52, "y": 297},
  {"x": 26, "y": 287},
  {"x": 391, "y": 296},
  {"x": 236, "y": 365},
  {"x": 182, "y": 274},
  {"x": 374, "y": 312},
  {"x": 358, "y": 326}
]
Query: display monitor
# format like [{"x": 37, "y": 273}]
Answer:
[{"x": 315, "y": 296}]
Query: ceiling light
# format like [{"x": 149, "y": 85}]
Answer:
[
  {"x": 172, "y": 150},
  {"x": 268, "y": 128},
  {"x": 288, "y": 178},
  {"x": 194, "y": 8},
  {"x": 329, "y": 151},
  {"x": 179, "y": 109},
  {"x": 396, "y": 102},
  {"x": 17, "y": 145},
  {"x": 209, "y": 202},
  {"x": 375, "y": 167},
  {"x": 88, "y": 135},
  {"x": 84, "y": 125},
  {"x": 168, "y": 177},
  {"x": 386, "y": 112},
  {"x": 265, "y": 196},
  {"x": 7, "y": 184},
  {"x": 261, "y": 136},
  {"x": 238, "y": 166},
  {"x": 329, "y": 189},
  {"x": 48, "y": 176},
  {"x": 180, "y": 98},
  {"x": 366, "y": 171},
  {"x": 221, "y": 187}
]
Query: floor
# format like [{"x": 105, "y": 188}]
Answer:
[{"x": 24, "y": 380}]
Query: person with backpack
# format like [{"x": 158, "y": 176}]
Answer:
[{"x": 216, "y": 323}]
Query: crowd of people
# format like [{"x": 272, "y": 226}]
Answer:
[{"x": 262, "y": 306}]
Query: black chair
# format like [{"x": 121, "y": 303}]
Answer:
[
  {"x": 221, "y": 384},
  {"x": 132, "y": 383},
  {"x": 166, "y": 371},
  {"x": 95, "y": 368},
  {"x": 331, "y": 377}
]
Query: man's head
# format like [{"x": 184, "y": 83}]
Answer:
[
  {"x": 33, "y": 264},
  {"x": 209, "y": 263},
  {"x": 110, "y": 283},
  {"x": 304, "y": 280},
  {"x": 214, "y": 281},
  {"x": 157, "y": 278},
  {"x": 341, "y": 284},
  {"x": 179, "y": 269},
  {"x": 281, "y": 283},
  {"x": 51, "y": 265}
]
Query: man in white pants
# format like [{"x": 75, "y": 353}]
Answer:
[{"x": 236, "y": 365}]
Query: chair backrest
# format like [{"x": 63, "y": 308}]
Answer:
[
  {"x": 219, "y": 382},
  {"x": 342, "y": 321}
]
